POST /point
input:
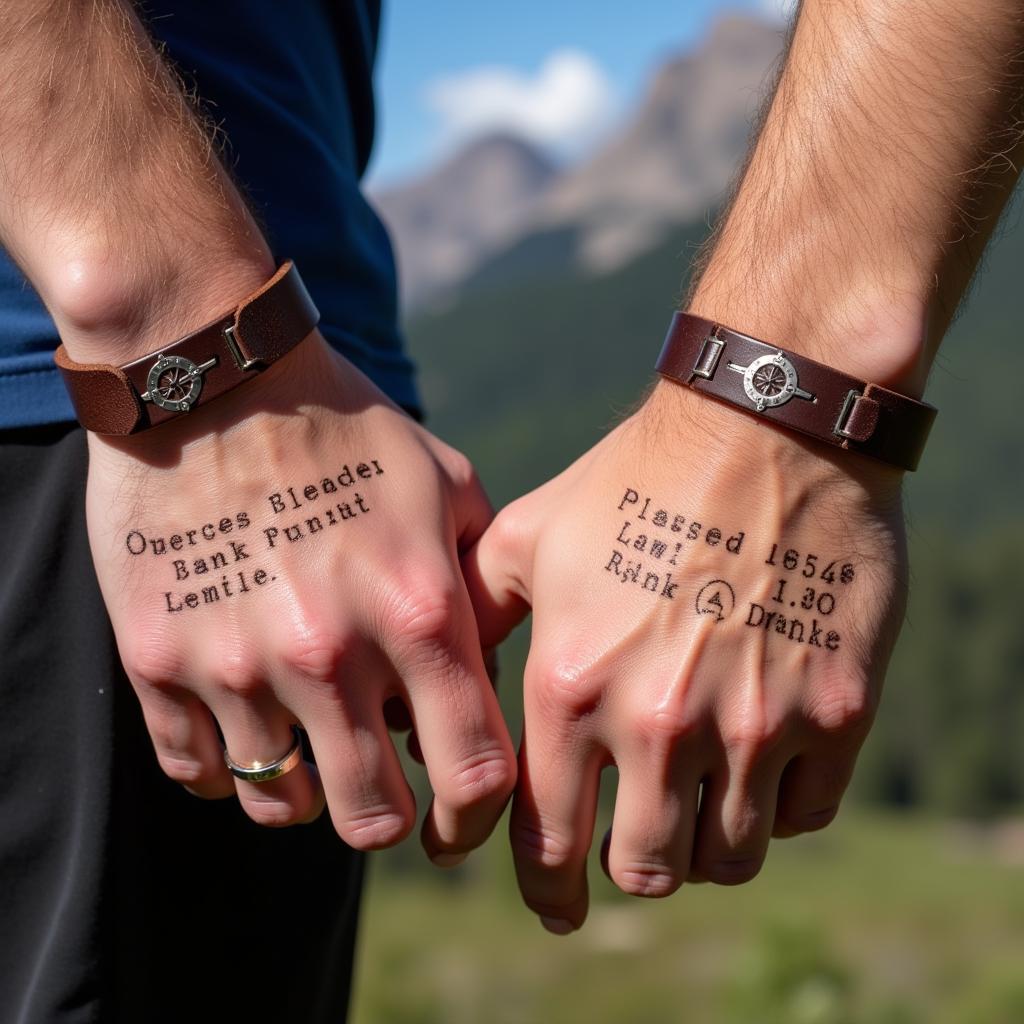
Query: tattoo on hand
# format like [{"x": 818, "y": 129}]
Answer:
[
  {"x": 319, "y": 512},
  {"x": 716, "y": 598},
  {"x": 667, "y": 539}
]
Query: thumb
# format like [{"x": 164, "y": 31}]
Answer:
[{"x": 495, "y": 569}]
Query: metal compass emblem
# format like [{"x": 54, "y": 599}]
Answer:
[
  {"x": 175, "y": 382},
  {"x": 770, "y": 380}
]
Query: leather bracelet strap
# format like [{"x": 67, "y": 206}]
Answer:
[
  {"x": 196, "y": 369},
  {"x": 795, "y": 391}
]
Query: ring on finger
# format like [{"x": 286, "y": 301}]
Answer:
[{"x": 267, "y": 771}]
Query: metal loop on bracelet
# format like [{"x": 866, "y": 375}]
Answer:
[{"x": 267, "y": 771}]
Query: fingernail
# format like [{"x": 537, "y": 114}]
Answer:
[
  {"x": 448, "y": 860},
  {"x": 557, "y": 925}
]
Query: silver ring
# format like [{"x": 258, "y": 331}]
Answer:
[{"x": 266, "y": 771}]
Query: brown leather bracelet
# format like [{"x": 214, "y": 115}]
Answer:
[
  {"x": 795, "y": 391},
  {"x": 195, "y": 369}
]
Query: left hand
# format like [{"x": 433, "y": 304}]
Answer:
[
  {"x": 288, "y": 555},
  {"x": 714, "y": 605}
]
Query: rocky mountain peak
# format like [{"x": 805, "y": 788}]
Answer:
[{"x": 667, "y": 164}]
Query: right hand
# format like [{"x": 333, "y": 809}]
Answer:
[
  {"x": 289, "y": 554},
  {"x": 714, "y": 603}
]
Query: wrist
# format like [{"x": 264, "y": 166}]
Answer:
[
  {"x": 880, "y": 340},
  {"x": 114, "y": 309},
  {"x": 756, "y": 452},
  {"x": 787, "y": 389},
  {"x": 282, "y": 393}
]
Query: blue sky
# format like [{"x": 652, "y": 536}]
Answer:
[{"x": 557, "y": 70}]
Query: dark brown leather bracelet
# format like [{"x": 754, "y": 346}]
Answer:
[
  {"x": 197, "y": 368},
  {"x": 795, "y": 391}
]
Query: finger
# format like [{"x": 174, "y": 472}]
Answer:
[
  {"x": 458, "y": 723},
  {"x": 653, "y": 826},
  {"x": 342, "y": 700},
  {"x": 811, "y": 788},
  {"x": 186, "y": 742},
  {"x": 258, "y": 730},
  {"x": 473, "y": 509},
  {"x": 368, "y": 797},
  {"x": 735, "y": 821},
  {"x": 494, "y": 570},
  {"x": 553, "y": 812}
]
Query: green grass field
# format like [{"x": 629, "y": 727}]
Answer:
[{"x": 880, "y": 919}]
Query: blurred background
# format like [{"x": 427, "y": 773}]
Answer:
[{"x": 547, "y": 171}]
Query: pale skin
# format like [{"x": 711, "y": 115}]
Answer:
[
  {"x": 115, "y": 206},
  {"x": 886, "y": 156},
  {"x": 851, "y": 238}
]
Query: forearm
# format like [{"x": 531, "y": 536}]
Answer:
[
  {"x": 112, "y": 199},
  {"x": 888, "y": 152}
]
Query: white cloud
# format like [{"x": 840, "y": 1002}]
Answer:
[{"x": 564, "y": 105}]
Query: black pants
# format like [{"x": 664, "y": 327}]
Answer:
[{"x": 122, "y": 897}]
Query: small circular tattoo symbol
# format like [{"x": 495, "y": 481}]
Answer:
[{"x": 716, "y": 598}]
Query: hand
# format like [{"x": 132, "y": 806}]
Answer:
[
  {"x": 289, "y": 554},
  {"x": 714, "y": 603}
]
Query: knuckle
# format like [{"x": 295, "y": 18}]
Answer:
[
  {"x": 374, "y": 828},
  {"x": 842, "y": 708},
  {"x": 316, "y": 654},
  {"x": 152, "y": 662},
  {"x": 654, "y": 881},
  {"x": 509, "y": 527},
  {"x": 237, "y": 674},
  {"x": 750, "y": 736},
  {"x": 540, "y": 846},
  {"x": 566, "y": 688},
  {"x": 424, "y": 612},
  {"x": 662, "y": 727},
  {"x": 481, "y": 778}
]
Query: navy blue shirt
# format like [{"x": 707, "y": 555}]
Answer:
[{"x": 291, "y": 85}]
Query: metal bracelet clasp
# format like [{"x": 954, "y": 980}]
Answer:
[{"x": 236, "y": 351}]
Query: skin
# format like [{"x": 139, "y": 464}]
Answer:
[
  {"x": 869, "y": 196},
  {"x": 884, "y": 159},
  {"x": 723, "y": 733},
  {"x": 115, "y": 205},
  {"x": 347, "y": 619}
]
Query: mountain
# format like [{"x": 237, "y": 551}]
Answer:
[
  {"x": 442, "y": 223},
  {"x": 676, "y": 156},
  {"x": 664, "y": 167}
]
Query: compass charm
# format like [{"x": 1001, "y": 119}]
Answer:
[
  {"x": 174, "y": 382},
  {"x": 771, "y": 380}
]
